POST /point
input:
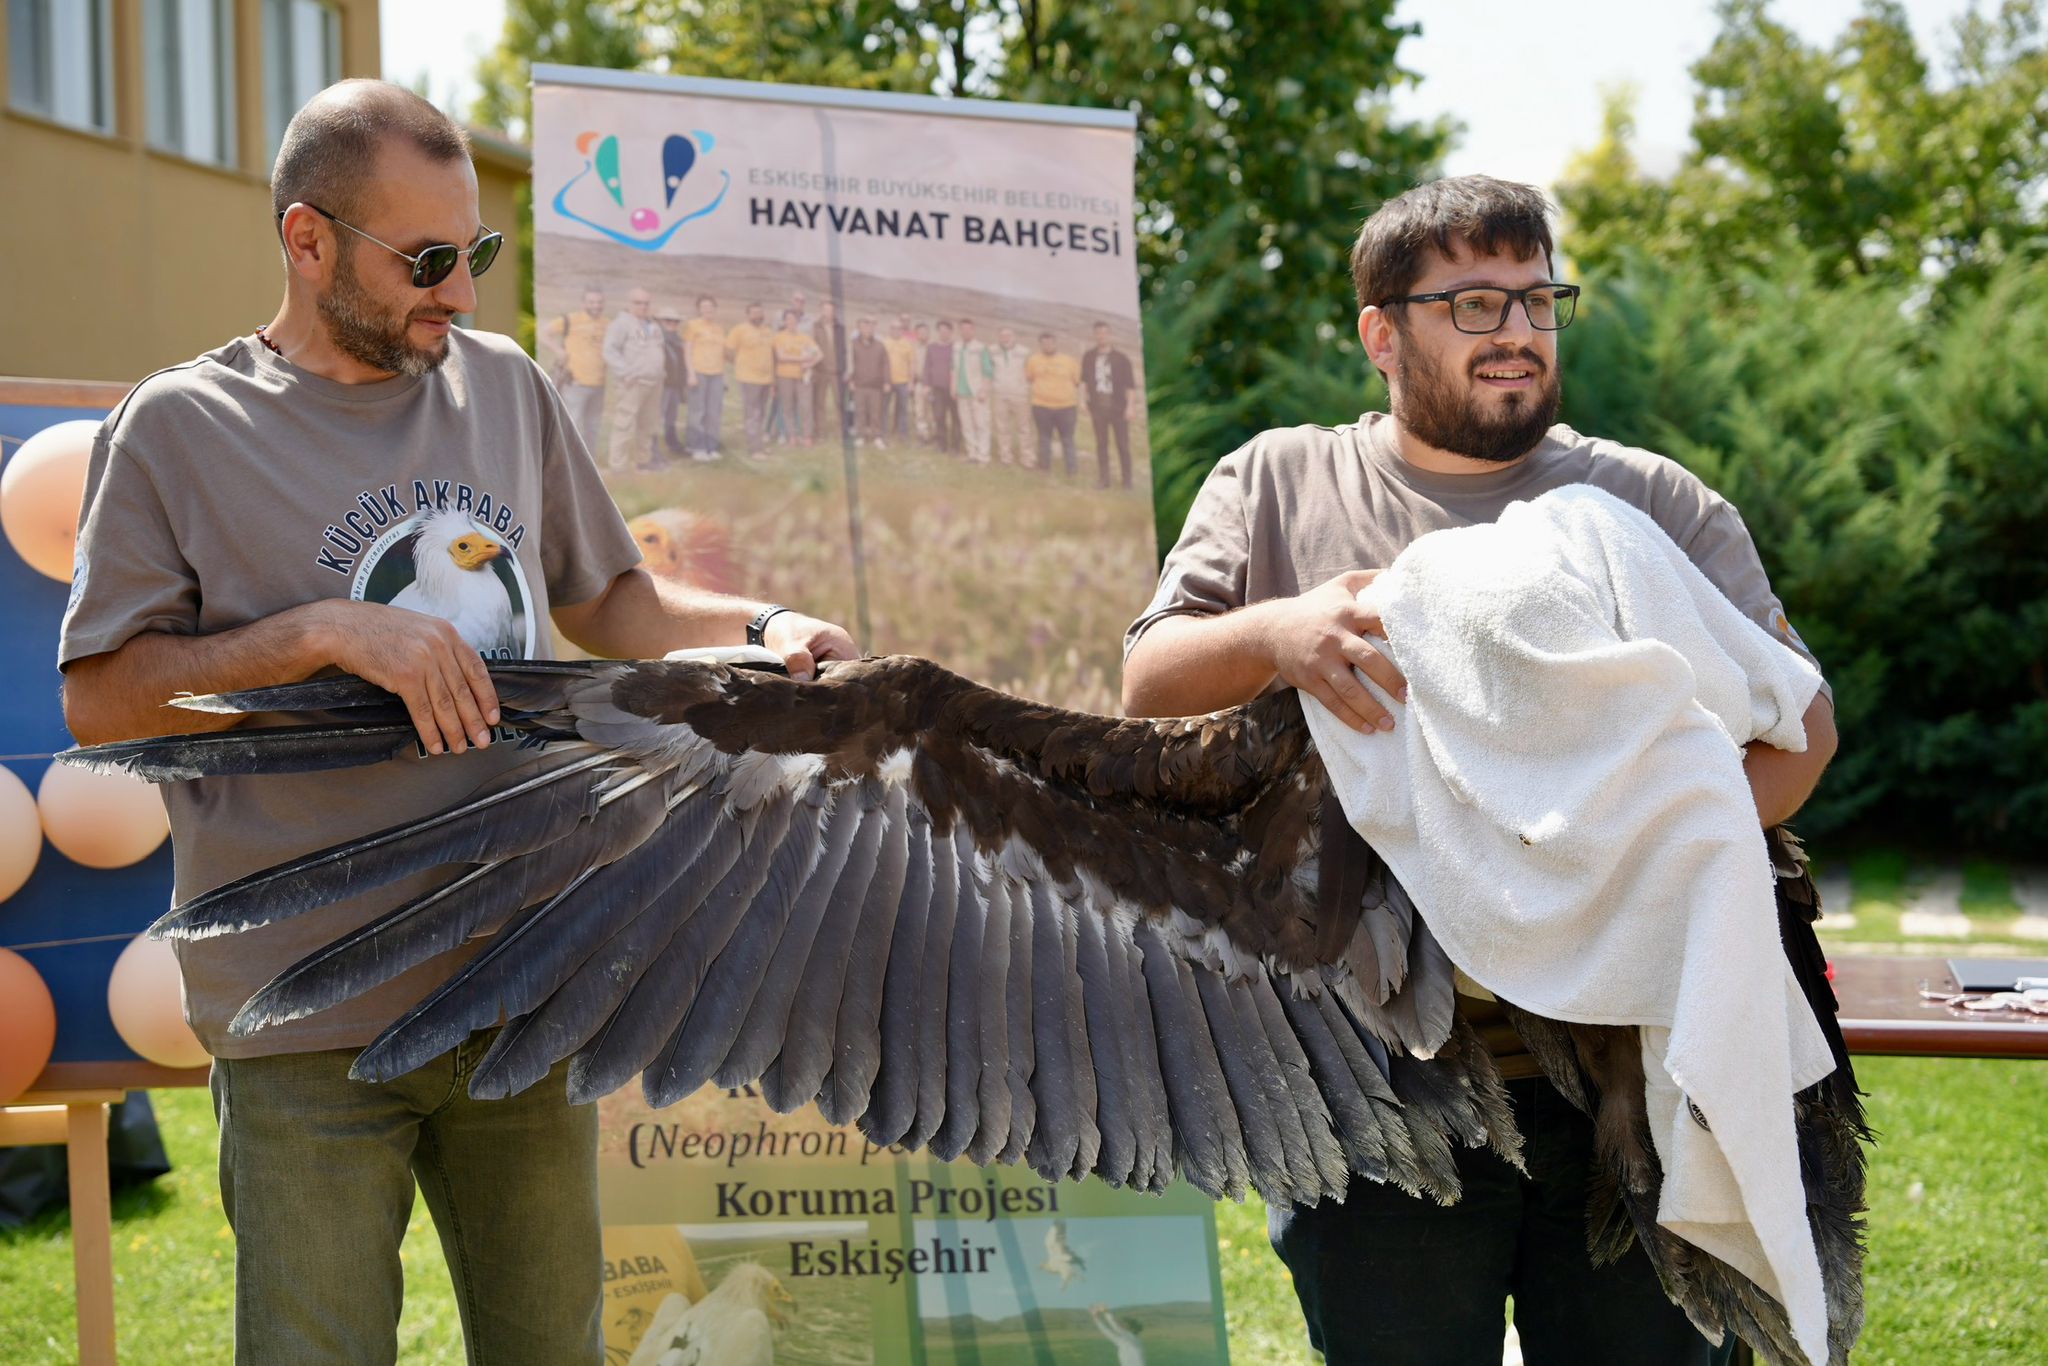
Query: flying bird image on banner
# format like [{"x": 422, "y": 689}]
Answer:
[
  {"x": 970, "y": 924},
  {"x": 445, "y": 564}
]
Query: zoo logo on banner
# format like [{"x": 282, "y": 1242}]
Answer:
[{"x": 604, "y": 197}]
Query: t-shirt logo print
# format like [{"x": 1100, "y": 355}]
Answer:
[{"x": 444, "y": 564}]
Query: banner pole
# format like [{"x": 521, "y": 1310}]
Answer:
[{"x": 863, "y": 628}]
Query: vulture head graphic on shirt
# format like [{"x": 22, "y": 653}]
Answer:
[{"x": 458, "y": 571}]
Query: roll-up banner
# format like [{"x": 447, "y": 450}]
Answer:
[{"x": 876, "y": 356}]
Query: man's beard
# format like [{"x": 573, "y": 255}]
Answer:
[
  {"x": 361, "y": 330},
  {"x": 1440, "y": 413}
]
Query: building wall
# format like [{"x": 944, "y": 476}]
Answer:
[{"x": 117, "y": 258}]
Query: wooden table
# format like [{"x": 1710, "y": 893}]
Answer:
[
  {"x": 1882, "y": 1013},
  {"x": 68, "y": 1104}
]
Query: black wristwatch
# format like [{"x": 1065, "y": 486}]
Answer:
[{"x": 757, "y": 629}]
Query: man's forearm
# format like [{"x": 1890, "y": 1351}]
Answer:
[
  {"x": 641, "y": 617},
  {"x": 1781, "y": 781},
  {"x": 1192, "y": 665},
  {"x": 120, "y": 695}
]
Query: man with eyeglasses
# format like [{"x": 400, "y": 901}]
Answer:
[
  {"x": 252, "y": 518},
  {"x": 1459, "y": 311}
]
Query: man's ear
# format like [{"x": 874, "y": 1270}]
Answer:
[
  {"x": 1378, "y": 335},
  {"x": 308, "y": 244}
]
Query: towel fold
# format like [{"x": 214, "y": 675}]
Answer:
[{"x": 1563, "y": 796}]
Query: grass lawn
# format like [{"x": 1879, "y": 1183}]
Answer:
[{"x": 1958, "y": 1264}]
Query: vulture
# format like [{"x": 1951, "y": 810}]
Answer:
[
  {"x": 453, "y": 580},
  {"x": 966, "y": 923}
]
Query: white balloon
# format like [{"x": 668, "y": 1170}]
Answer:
[
  {"x": 145, "y": 999},
  {"x": 102, "y": 820},
  {"x": 42, "y": 488},
  {"x": 21, "y": 833}
]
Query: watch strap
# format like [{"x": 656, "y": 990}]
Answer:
[{"x": 757, "y": 629}]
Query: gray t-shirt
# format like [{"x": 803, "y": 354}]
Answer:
[
  {"x": 1297, "y": 506},
  {"x": 236, "y": 486}
]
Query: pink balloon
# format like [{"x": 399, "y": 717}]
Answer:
[
  {"x": 28, "y": 1024},
  {"x": 21, "y": 834},
  {"x": 147, "y": 1003},
  {"x": 42, "y": 487},
  {"x": 102, "y": 820},
  {"x": 643, "y": 220}
]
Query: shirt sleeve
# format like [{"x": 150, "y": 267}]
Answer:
[
  {"x": 1205, "y": 572},
  {"x": 130, "y": 575},
  {"x": 1726, "y": 554},
  {"x": 584, "y": 540}
]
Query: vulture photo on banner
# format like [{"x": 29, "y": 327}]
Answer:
[{"x": 971, "y": 924}]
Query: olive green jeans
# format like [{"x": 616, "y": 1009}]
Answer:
[{"x": 317, "y": 1175}]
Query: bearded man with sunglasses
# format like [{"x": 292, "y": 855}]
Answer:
[
  {"x": 1459, "y": 310},
  {"x": 271, "y": 510}
]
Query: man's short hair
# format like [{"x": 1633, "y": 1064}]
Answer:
[
  {"x": 1476, "y": 213},
  {"x": 703, "y": 299},
  {"x": 329, "y": 153}
]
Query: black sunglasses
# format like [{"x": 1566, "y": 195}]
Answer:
[{"x": 433, "y": 264}]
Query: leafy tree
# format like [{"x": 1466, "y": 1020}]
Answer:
[{"x": 1863, "y": 152}]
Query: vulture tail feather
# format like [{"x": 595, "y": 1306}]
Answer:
[
  {"x": 1151, "y": 1112},
  {"x": 316, "y": 748},
  {"x": 758, "y": 1032},
  {"x": 1265, "y": 1150},
  {"x": 1358, "y": 1129},
  {"x": 532, "y": 956},
  {"x": 892, "y": 1104},
  {"x": 791, "y": 847},
  {"x": 961, "y": 1118},
  {"x": 342, "y": 692},
  {"x": 799, "y": 1069},
  {"x": 1208, "y": 1137},
  {"x": 657, "y": 1002},
  {"x": 1018, "y": 1013},
  {"x": 476, "y": 904},
  {"x": 1056, "y": 1136},
  {"x": 737, "y": 986},
  {"x": 1109, "y": 1044},
  {"x": 581, "y": 1001},
  {"x": 529, "y": 814},
  {"x": 990, "y": 987},
  {"x": 847, "y": 1085},
  {"x": 928, "y": 1046},
  {"x": 1326, "y": 1153}
]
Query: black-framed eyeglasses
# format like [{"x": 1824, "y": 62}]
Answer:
[
  {"x": 433, "y": 264},
  {"x": 1481, "y": 309}
]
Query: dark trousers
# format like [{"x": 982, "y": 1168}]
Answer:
[
  {"x": 1110, "y": 420},
  {"x": 671, "y": 405},
  {"x": 1389, "y": 1279},
  {"x": 1053, "y": 422},
  {"x": 945, "y": 421}
]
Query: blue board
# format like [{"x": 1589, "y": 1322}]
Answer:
[{"x": 61, "y": 900}]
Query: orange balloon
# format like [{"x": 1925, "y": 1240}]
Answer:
[
  {"x": 21, "y": 833},
  {"x": 147, "y": 1005},
  {"x": 102, "y": 820},
  {"x": 42, "y": 488},
  {"x": 28, "y": 1024}
]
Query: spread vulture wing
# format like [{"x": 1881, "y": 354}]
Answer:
[{"x": 964, "y": 922}]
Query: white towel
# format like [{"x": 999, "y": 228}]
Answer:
[{"x": 1563, "y": 796}]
